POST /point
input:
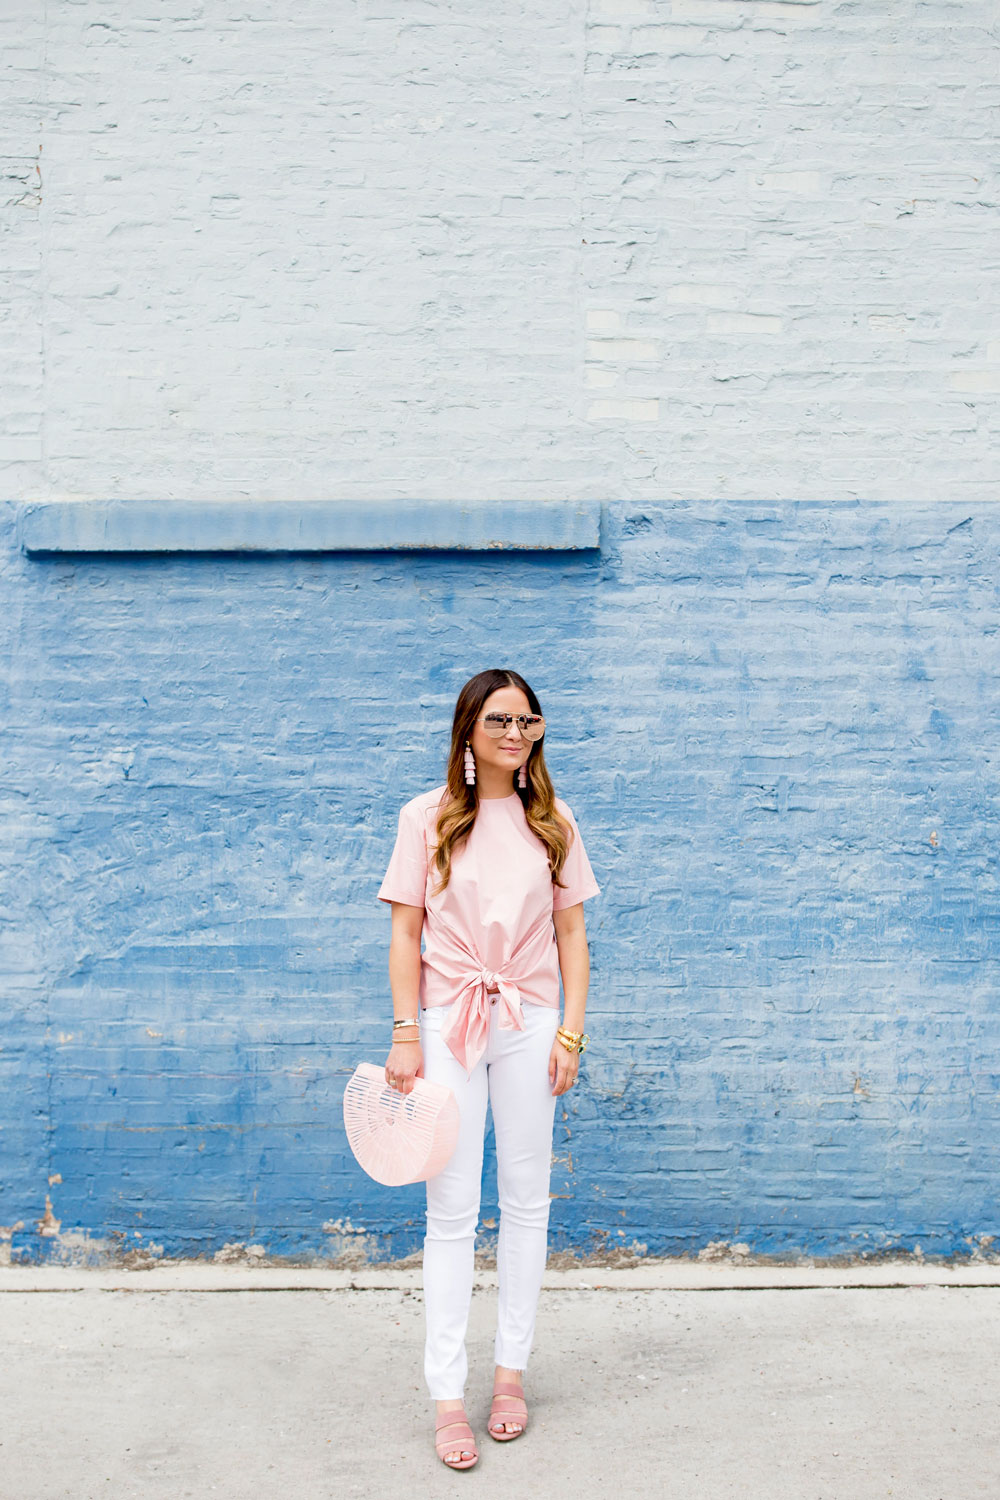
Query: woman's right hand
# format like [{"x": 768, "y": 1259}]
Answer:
[{"x": 404, "y": 1063}]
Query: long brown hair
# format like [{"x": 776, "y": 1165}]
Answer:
[{"x": 460, "y": 802}]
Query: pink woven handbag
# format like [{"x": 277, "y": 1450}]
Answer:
[{"x": 398, "y": 1137}]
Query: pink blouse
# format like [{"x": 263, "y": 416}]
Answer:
[{"x": 491, "y": 928}]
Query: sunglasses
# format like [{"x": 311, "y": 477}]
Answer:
[{"x": 532, "y": 726}]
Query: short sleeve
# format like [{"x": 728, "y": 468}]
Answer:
[
  {"x": 576, "y": 875},
  {"x": 406, "y": 877}
]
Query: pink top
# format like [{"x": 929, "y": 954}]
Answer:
[{"x": 491, "y": 928}]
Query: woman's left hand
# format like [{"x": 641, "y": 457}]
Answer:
[{"x": 563, "y": 1067}]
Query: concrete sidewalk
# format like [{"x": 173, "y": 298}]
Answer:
[{"x": 672, "y": 1379}]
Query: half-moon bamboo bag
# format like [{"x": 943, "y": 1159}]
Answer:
[{"x": 396, "y": 1137}]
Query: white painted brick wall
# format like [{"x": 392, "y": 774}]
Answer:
[{"x": 672, "y": 248}]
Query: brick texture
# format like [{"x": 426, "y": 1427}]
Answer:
[
  {"x": 777, "y": 726},
  {"x": 695, "y": 249}
]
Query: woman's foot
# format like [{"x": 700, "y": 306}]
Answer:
[
  {"x": 509, "y": 1411},
  {"x": 453, "y": 1439}
]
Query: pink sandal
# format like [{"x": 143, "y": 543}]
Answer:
[
  {"x": 455, "y": 1418},
  {"x": 505, "y": 1391}
]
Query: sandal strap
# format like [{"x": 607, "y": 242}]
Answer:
[
  {"x": 447, "y": 1420},
  {"x": 508, "y": 1388},
  {"x": 502, "y": 1409},
  {"x": 454, "y": 1447}
]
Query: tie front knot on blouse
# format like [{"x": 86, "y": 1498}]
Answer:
[{"x": 466, "y": 1028}]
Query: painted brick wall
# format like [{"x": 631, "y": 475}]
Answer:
[
  {"x": 652, "y": 248},
  {"x": 777, "y": 725},
  {"x": 725, "y": 261}
]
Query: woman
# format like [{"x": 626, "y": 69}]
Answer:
[{"x": 491, "y": 870}]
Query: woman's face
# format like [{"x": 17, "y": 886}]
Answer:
[{"x": 510, "y": 751}]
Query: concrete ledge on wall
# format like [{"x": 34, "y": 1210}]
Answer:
[{"x": 54, "y": 526}]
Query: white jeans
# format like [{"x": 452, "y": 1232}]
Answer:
[{"x": 514, "y": 1074}]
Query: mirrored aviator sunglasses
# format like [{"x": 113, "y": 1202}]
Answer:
[{"x": 532, "y": 726}]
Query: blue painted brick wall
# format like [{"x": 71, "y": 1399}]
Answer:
[{"x": 777, "y": 725}]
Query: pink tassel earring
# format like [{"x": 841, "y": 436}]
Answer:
[
  {"x": 470, "y": 766},
  {"x": 522, "y": 778}
]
